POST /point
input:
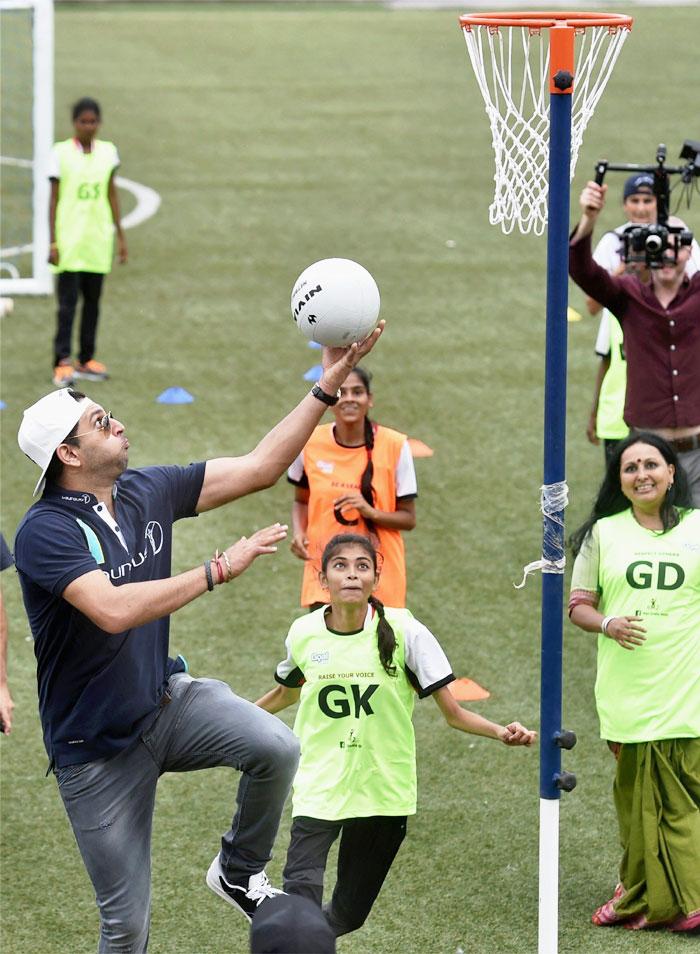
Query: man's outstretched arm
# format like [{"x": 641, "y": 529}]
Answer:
[{"x": 227, "y": 478}]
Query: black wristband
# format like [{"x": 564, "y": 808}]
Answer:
[
  {"x": 328, "y": 399},
  {"x": 210, "y": 579}
]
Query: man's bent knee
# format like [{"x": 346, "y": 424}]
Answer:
[{"x": 279, "y": 750}]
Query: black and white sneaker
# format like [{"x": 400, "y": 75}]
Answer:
[{"x": 245, "y": 897}]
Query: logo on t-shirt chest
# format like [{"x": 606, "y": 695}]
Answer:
[
  {"x": 154, "y": 538},
  {"x": 345, "y": 689}
]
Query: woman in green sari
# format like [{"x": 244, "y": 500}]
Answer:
[{"x": 636, "y": 583}]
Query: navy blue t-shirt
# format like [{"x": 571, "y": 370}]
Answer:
[{"x": 98, "y": 690}]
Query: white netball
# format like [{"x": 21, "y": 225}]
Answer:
[{"x": 335, "y": 302}]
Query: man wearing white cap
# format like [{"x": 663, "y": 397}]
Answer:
[{"x": 93, "y": 556}]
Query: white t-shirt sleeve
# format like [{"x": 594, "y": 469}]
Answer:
[
  {"x": 288, "y": 673},
  {"x": 54, "y": 167},
  {"x": 694, "y": 262},
  {"x": 586, "y": 565},
  {"x": 607, "y": 251},
  {"x": 428, "y": 668},
  {"x": 602, "y": 342},
  {"x": 406, "y": 483},
  {"x": 116, "y": 161},
  {"x": 295, "y": 472}
]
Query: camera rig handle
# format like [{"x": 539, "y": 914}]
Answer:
[
  {"x": 662, "y": 189},
  {"x": 660, "y": 172}
]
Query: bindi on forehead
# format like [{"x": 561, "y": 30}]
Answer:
[{"x": 641, "y": 460}]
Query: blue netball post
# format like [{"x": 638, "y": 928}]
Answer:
[
  {"x": 536, "y": 149},
  {"x": 554, "y": 489}
]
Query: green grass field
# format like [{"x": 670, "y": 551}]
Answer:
[{"x": 278, "y": 136}]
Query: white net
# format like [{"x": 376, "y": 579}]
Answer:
[{"x": 512, "y": 69}]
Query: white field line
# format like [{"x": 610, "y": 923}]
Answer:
[{"x": 147, "y": 202}]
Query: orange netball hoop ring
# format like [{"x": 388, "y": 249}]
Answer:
[{"x": 539, "y": 20}]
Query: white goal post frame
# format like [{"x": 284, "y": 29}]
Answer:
[{"x": 41, "y": 282}]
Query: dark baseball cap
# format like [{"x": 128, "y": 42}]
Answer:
[
  {"x": 639, "y": 182},
  {"x": 290, "y": 924}
]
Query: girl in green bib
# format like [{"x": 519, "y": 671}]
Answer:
[
  {"x": 636, "y": 583},
  {"x": 355, "y": 667},
  {"x": 83, "y": 217}
]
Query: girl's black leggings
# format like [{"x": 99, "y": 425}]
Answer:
[
  {"x": 367, "y": 849},
  {"x": 69, "y": 286}
]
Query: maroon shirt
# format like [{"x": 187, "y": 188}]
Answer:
[{"x": 662, "y": 345}]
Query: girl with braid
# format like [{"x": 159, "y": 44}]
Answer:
[
  {"x": 355, "y": 668},
  {"x": 354, "y": 475}
]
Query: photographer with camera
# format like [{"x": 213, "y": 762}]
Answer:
[
  {"x": 606, "y": 420},
  {"x": 660, "y": 319}
]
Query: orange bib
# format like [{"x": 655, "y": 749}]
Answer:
[{"x": 333, "y": 470}]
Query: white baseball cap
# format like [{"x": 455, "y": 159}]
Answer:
[{"x": 46, "y": 424}]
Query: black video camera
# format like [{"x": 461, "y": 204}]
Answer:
[
  {"x": 652, "y": 245},
  {"x": 649, "y": 245}
]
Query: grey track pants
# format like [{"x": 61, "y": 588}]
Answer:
[{"x": 110, "y": 802}]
